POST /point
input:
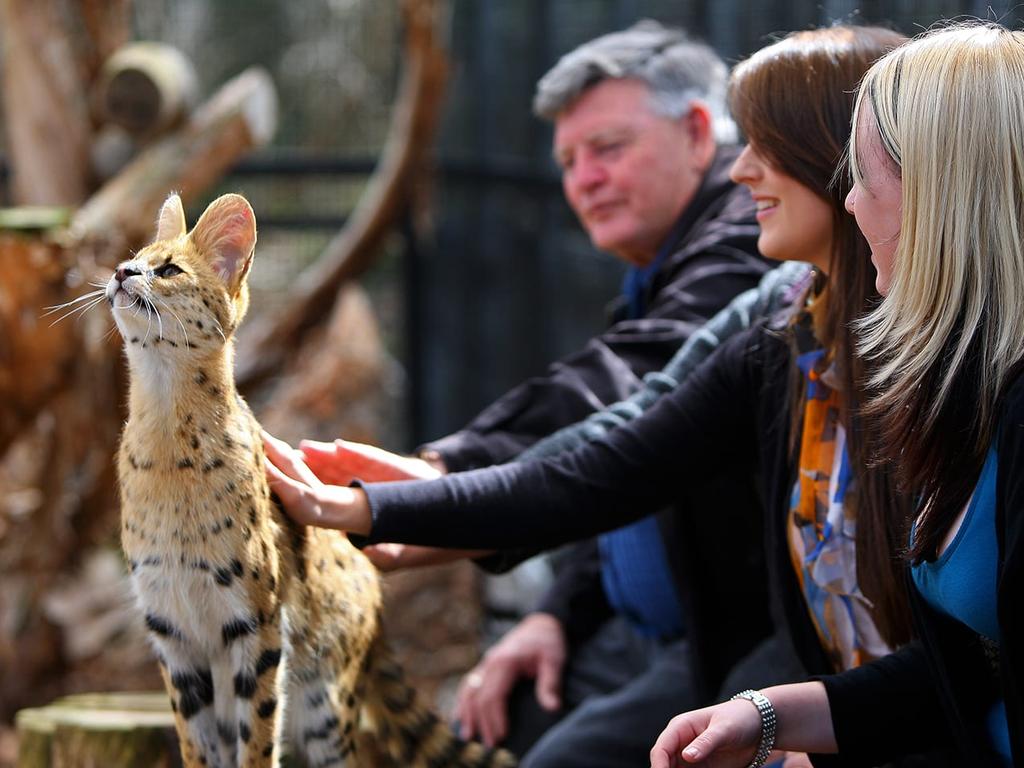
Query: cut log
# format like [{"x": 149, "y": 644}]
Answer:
[
  {"x": 115, "y": 730},
  {"x": 241, "y": 116},
  {"x": 104, "y": 730},
  {"x": 146, "y": 88},
  {"x": 264, "y": 346}
]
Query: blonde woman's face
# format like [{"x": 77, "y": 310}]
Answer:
[
  {"x": 876, "y": 200},
  {"x": 796, "y": 224}
]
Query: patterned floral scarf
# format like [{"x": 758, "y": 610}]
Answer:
[{"x": 823, "y": 516}]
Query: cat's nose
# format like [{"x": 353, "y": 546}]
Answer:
[{"x": 123, "y": 273}]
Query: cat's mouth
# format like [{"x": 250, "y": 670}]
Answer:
[{"x": 118, "y": 297}]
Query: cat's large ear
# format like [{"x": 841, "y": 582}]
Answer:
[
  {"x": 171, "y": 221},
  {"x": 226, "y": 236}
]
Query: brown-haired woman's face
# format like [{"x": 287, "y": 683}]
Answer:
[{"x": 796, "y": 224}]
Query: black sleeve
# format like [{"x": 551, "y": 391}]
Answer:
[
  {"x": 602, "y": 485},
  {"x": 577, "y": 597},
  {"x": 885, "y": 709},
  {"x": 609, "y": 368}
]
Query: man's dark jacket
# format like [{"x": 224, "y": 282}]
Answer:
[{"x": 716, "y": 556}]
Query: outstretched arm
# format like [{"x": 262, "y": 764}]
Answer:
[{"x": 728, "y": 734}]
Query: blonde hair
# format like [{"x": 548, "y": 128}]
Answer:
[{"x": 949, "y": 109}]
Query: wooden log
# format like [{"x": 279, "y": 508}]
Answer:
[
  {"x": 241, "y": 116},
  {"x": 146, "y": 88},
  {"x": 104, "y": 730},
  {"x": 264, "y": 346},
  {"x": 115, "y": 730}
]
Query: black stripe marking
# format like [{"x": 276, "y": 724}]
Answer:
[
  {"x": 327, "y": 729},
  {"x": 160, "y": 626}
]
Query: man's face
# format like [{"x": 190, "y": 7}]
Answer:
[{"x": 627, "y": 172}]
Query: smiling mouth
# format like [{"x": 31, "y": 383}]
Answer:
[{"x": 764, "y": 206}]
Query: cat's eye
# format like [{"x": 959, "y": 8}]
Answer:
[{"x": 168, "y": 270}]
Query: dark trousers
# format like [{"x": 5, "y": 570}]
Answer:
[{"x": 619, "y": 691}]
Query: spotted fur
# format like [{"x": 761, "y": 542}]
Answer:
[{"x": 262, "y": 629}]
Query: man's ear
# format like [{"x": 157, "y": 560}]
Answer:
[
  {"x": 700, "y": 127},
  {"x": 171, "y": 221},
  {"x": 225, "y": 236}
]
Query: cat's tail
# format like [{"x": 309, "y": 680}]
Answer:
[{"x": 406, "y": 731}]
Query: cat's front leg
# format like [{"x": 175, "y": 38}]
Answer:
[
  {"x": 189, "y": 684},
  {"x": 259, "y": 657}
]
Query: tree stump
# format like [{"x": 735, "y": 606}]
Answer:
[{"x": 108, "y": 730}]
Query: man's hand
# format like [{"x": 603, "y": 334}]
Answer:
[
  {"x": 341, "y": 462},
  {"x": 306, "y": 499},
  {"x": 535, "y": 647}
]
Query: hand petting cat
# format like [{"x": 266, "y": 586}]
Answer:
[
  {"x": 307, "y": 499},
  {"x": 306, "y": 480}
]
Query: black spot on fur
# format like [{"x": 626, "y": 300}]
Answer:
[
  {"x": 229, "y": 523},
  {"x": 185, "y": 463},
  {"x": 201, "y": 378},
  {"x": 236, "y": 564},
  {"x": 227, "y": 732},
  {"x": 245, "y": 685},
  {"x": 268, "y": 750},
  {"x": 223, "y": 577},
  {"x": 237, "y": 628},
  {"x": 194, "y": 442},
  {"x": 269, "y": 659},
  {"x": 213, "y": 464},
  {"x": 195, "y": 689},
  {"x": 267, "y": 708},
  {"x": 244, "y": 731}
]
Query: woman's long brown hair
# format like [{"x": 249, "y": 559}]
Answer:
[{"x": 794, "y": 103}]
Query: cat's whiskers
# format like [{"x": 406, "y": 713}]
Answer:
[
  {"x": 220, "y": 330},
  {"x": 78, "y": 300},
  {"x": 175, "y": 316},
  {"x": 80, "y": 310}
]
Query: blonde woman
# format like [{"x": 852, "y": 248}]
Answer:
[{"x": 938, "y": 164}]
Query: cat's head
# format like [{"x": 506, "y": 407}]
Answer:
[{"x": 187, "y": 290}]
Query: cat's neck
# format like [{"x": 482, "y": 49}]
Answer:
[{"x": 166, "y": 393}]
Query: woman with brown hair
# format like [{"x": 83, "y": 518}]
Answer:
[{"x": 778, "y": 400}]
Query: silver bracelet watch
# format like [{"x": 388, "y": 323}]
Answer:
[{"x": 768, "y": 724}]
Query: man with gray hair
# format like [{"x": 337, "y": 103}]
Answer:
[{"x": 640, "y": 624}]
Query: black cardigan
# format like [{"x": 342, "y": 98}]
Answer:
[
  {"x": 942, "y": 683},
  {"x": 732, "y": 413}
]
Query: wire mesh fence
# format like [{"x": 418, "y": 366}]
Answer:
[{"x": 506, "y": 281}]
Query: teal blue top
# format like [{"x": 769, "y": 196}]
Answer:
[{"x": 961, "y": 582}]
